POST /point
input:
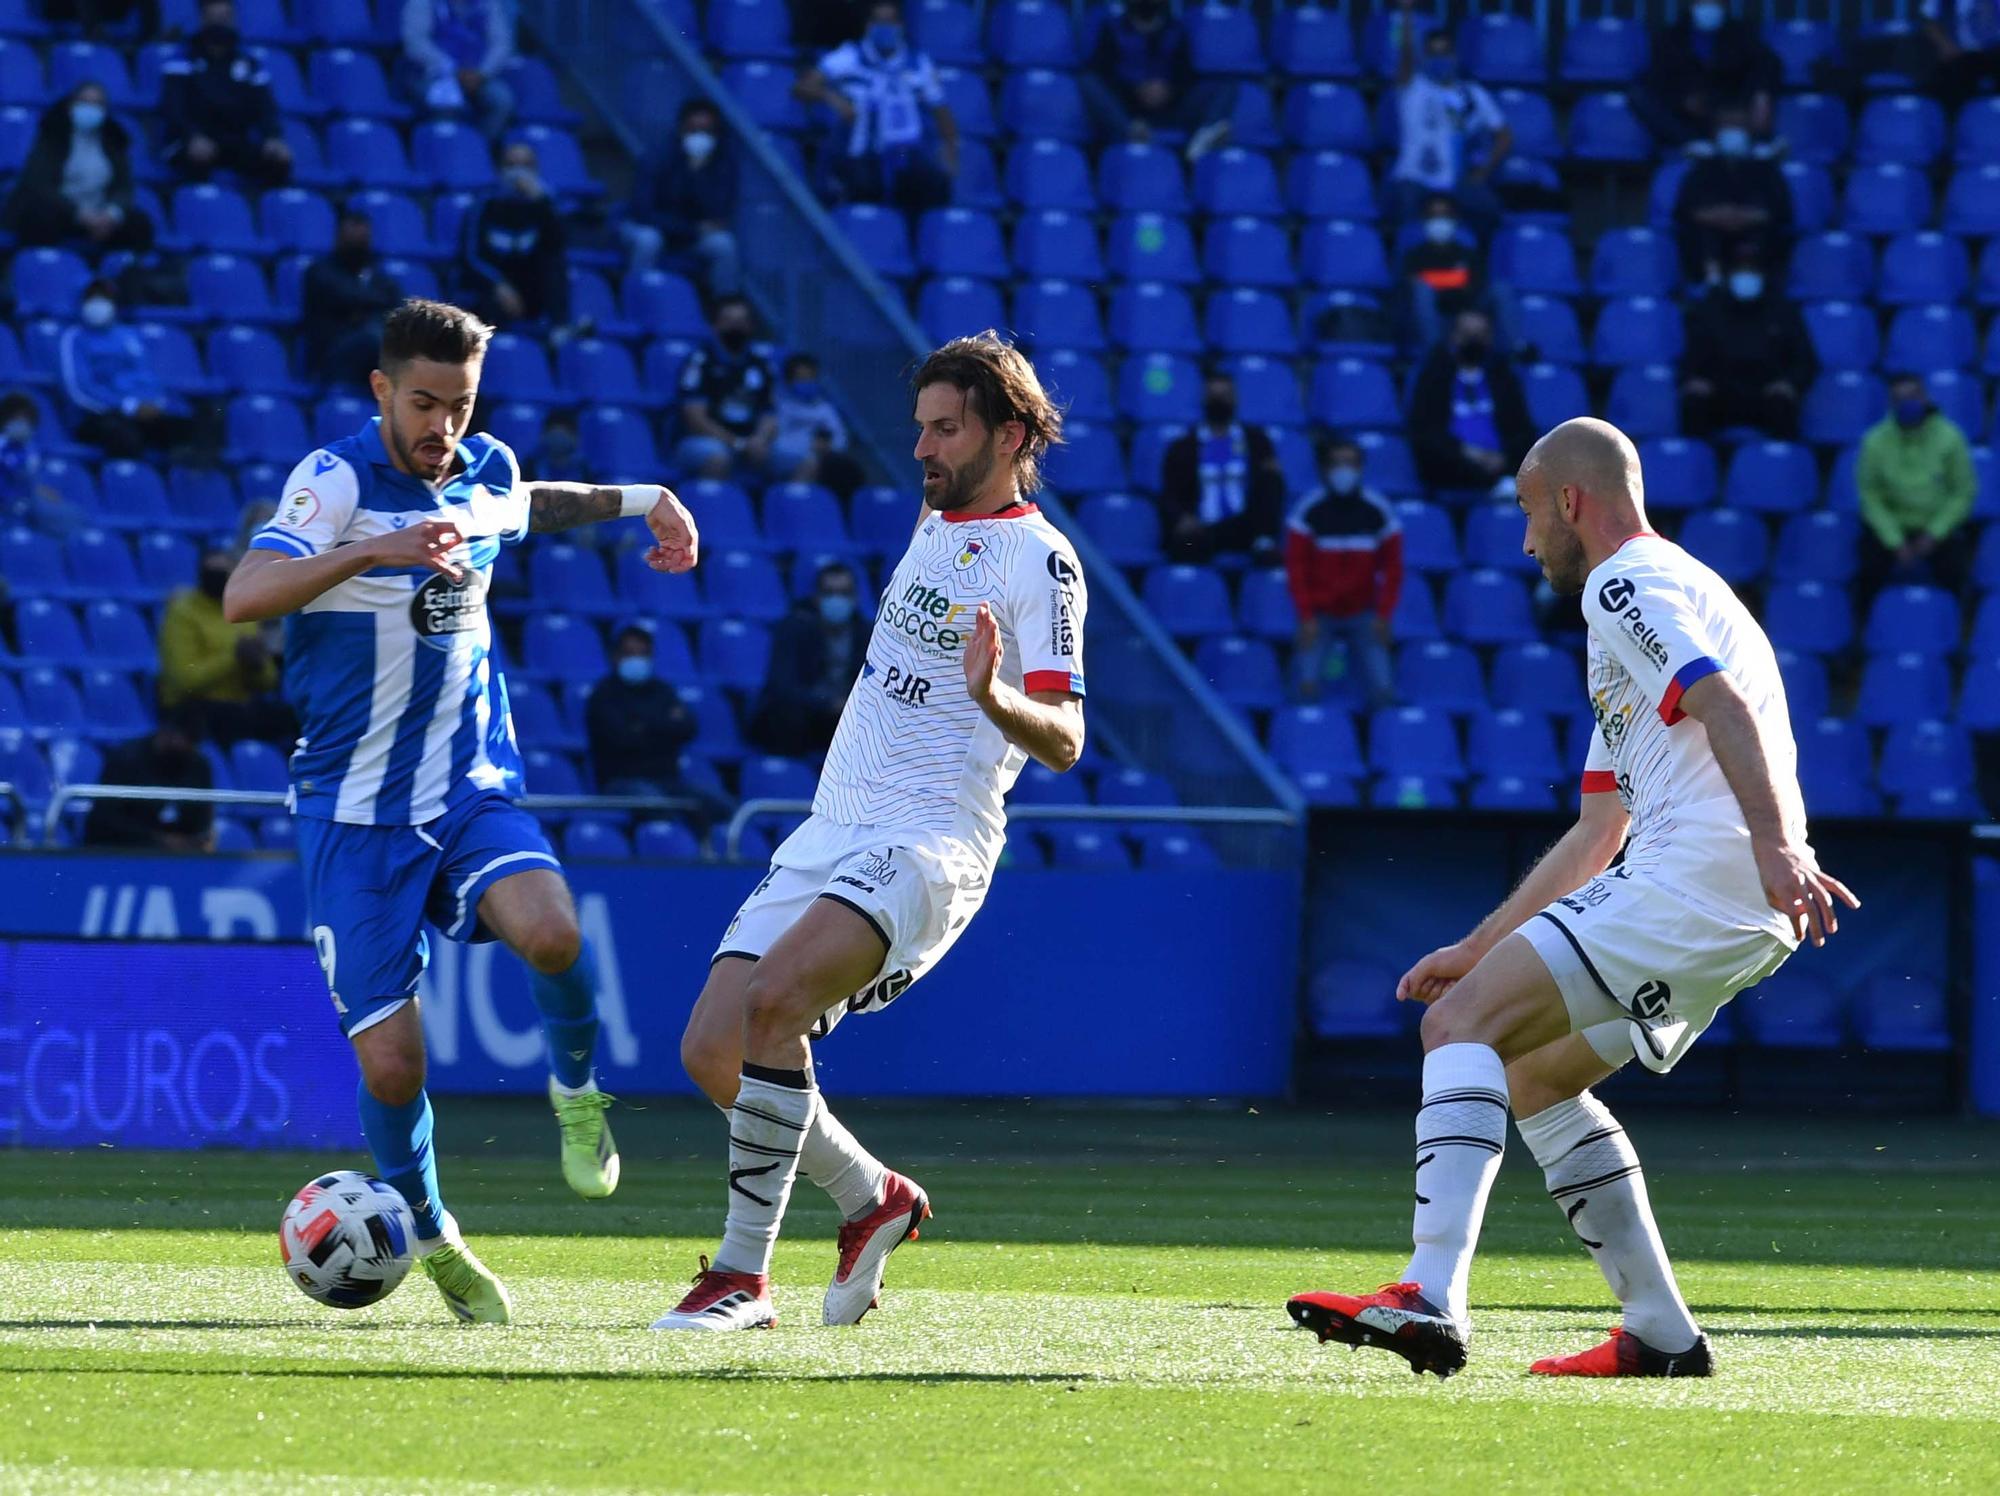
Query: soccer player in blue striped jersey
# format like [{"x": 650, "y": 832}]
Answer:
[{"x": 379, "y": 559}]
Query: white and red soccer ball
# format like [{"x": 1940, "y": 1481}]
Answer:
[{"x": 347, "y": 1239}]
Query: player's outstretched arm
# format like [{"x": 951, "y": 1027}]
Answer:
[
  {"x": 564, "y": 506},
  {"x": 1047, "y": 724},
  {"x": 1582, "y": 852},
  {"x": 269, "y": 584},
  {"x": 1793, "y": 882}
]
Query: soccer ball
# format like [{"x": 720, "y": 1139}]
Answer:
[{"x": 346, "y": 1239}]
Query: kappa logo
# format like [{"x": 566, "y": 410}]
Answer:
[
  {"x": 1616, "y": 594},
  {"x": 324, "y": 462},
  {"x": 1652, "y": 998}
]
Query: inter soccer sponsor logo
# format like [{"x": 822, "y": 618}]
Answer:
[{"x": 927, "y": 615}]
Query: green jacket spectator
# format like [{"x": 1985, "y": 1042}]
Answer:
[{"x": 1917, "y": 486}]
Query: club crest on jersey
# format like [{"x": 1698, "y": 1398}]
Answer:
[
  {"x": 441, "y": 607},
  {"x": 968, "y": 559}
]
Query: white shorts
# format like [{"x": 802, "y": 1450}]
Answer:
[
  {"x": 918, "y": 889},
  {"x": 1643, "y": 972}
]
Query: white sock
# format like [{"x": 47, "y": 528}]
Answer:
[
  {"x": 767, "y": 1127},
  {"x": 1594, "y": 1176},
  {"x": 834, "y": 1161},
  {"x": 1461, "y": 1131},
  {"x": 589, "y": 1087}
]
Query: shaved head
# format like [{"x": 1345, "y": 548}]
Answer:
[{"x": 1584, "y": 496}]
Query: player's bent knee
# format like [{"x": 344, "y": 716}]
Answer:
[
  {"x": 777, "y": 1009},
  {"x": 394, "y": 1079},
  {"x": 552, "y": 945},
  {"x": 711, "y": 1063}
]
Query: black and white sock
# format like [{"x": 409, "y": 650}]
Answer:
[
  {"x": 1594, "y": 1176},
  {"x": 767, "y": 1128},
  {"x": 1461, "y": 1132}
]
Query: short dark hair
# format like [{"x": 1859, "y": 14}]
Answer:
[
  {"x": 432, "y": 330},
  {"x": 835, "y": 569},
  {"x": 14, "y": 403},
  {"x": 797, "y": 357},
  {"x": 1000, "y": 385},
  {"x": 1439, "y": 34},
  {"x": 635, "y": 631},
  {"x": 722, "y": 304},
  {"x": 1332, "y": 442},
  {"x": 699, "y": 104},
  {"x": 1905, "y": 376}
]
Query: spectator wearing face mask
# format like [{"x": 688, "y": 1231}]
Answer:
[
  {"x": 1468, "y": 420},
  {"x": 687, "y": 203},
  {"x": 1732, "y": 198},
  {"x": 1705, "y": 62},
  {"x": 1140, "y": 81},
  {"x": 1452, "y": 136},
  {"x": 108, "y": 375},
  {"x": 637, "y": 723},
  {"x": 1444, "y": 273},
  {"x": 728, "y": 414},
  {"x": 816, "y": 652},
  {"x": 346, "y": 294},
  {"x": 1222, "y": 491},
  {"x": 25, "y": 497},
  {"x": 224, "y": 673},
  {"x": 76, "y": 185},
  {"x": 515, "y": 266},
  {"x": 811, "y": 444},
  {"x": 454, "y": 53},
  {"x": 167, "y": 757},
  {"x": 1917, "y": 485},
  {"x": 1344, "y": 564},
  {"x": 886, "y": 102},
  {"x": 1747, "y": 358},
  {"x": 216, "y": 106}
]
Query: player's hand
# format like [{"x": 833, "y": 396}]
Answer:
[
  {"x": 983, "y": 656},
  {"x": 676, "y": 541},
  {"x": 1797, "y": 889},
  {"x": 426, "y": 543},
  {"x": 1435, "y": 975}
]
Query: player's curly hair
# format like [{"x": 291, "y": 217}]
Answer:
[
  {"x": 1001, "y": 386},
  {"x": 433, "y": 330}
]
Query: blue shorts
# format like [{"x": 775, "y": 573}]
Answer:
[{"x": 369, "y": 890}]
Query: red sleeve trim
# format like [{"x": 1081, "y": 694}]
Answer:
[
  {"x": 1599, "y": 782},
  {"x": 1053, "y": 680}
]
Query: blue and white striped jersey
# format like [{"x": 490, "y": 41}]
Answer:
[{"x": 402, "y": 712}]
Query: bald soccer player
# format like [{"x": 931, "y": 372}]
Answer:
[{"x": 1693, "y": 773}]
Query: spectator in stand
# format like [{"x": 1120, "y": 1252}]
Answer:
[
  {"x": 25, "y": 498},
  {"x": 818, "y": 25},
  {"x": 811, "y": 443},
  {"x": 1917, "y": 486},
  {"x": 879, "y": 93},
  {"x": 216, "y": 106},
  {"x": 1748, "y": 359},
  {"x": 76, "y": 185},
  {"x": 1443, "y": 120},
  {"x": 1222, "y": 491},
  {"x": 816, "y": 652},
  {"x": 1344, "y": 562},
  {"x": 1964, "y": 40},
  {"x": 1140, "y": 81},
  {"x": 1703, "y": 63},
  {"x": 558, "y": 454},
  {"x": 515, "y": 265},
  {"x": 454, "y": 52},
  {"x": 1469, "y": 426},
  {"x": 728, "y": 413},
  {"x": 346, "y": 295},
  {"x": 224, "y": 673},
  {"x": 95, "y": 15},
  {"x": 108, "y": 375},
  {"x": 687, "y": 202},
  {"x": 1731, "y": 197},
  {"x": 166, "y": 756},
  {"x": 1444, "y": 273},
  {"x": 637, "y": 723}
]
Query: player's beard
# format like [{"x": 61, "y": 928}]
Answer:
[
  {"x": 960, "y": 486},
  {"x": 415, "y": 463},
  {"x": 1564, "y": 563}
]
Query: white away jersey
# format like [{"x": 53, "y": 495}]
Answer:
[
  {"x": 402, "y": 713},
  {"x": 913, "y": 750},
  {"x": 1659, "y": 621}
]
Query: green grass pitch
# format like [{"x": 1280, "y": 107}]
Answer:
[{"x": 1096, "y": 1307}]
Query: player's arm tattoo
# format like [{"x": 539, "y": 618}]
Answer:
[{"x": 564, "y": 506}]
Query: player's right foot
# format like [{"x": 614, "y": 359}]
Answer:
[
  {"x": 589, "y": 1156},
  {"x": 1396, "y": 1317},
  {"x": 470, "y": 1290},
  {"x": 722, "y": 1301},
  {"x": 865, "y": 1246},
  {"x": 1626, "y": 1355}
]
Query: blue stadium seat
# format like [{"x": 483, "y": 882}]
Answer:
[
  {"x": 1058, "y": 314},
  {"x": 1488, "y": 607},
  {"x": 1922, "y": 756},
  {"x": 1387, "y": 463},
  {"x": 1346, "y": 255},
  {"x": 1536, "y": 677},
  {"x": 165, "y": 561},
  {"x": 1636, "y": 330},
  {"x": 560, "y": 647},
  {"x": 1960, "y": 396},
  {"x": 118, "y": 635},
  {"x": 1316, "y": 739},
  {"x": 1532, "y": 118},
  {"x": 1045, "y": 104},
  {"x": 1031, "y": 34},
  {"x": 1512, "y": 743},
  {"x": 1923, "y": 267},
  {"x": 598, "y": 371},
  {"x": 1049, "y": 174},
  {"x": 978, "y": 181},
  {"x": 1886, "y": 198},
  {"x": 1416, "y": 615},
  {"x": 1902, "y": 128},
  {"x": 1634, "y": 262},
  {"x": 1414, "y": 740},
  {"x": 1918, "y": 620},
  {"x": 1834, "y": 760},
  {"x": 664, "y": 304},
  {"x": 1264, "y": 605},
  {"x": 1645, "y": 401},
  {"x": 1513, "y": 792},
  {"x": 1267, "y": 391},
  {"x": 1493, "y": 536},
  {"x": 1246, "y": 320},
  {"x": 517, "y": 368},
  {"x": 1554, "y": 394},
  {"x": 47, "y": 630},
  {"x": 665, "y": 841},
  {"x": 880, "y": 236},
  {"x": 750, "y": 28},
  {"x": 17, "y": 135},
  {"x": 1089, "y": 461},
  {"x": 1680, "y": 474},
  {"x": 451, "y": 157},
  {"x": 1809, "y": 616},
  {"x": 1815, "y": 127},
  {"x": 1834, "y": 266},
  {"x": 1503, "y": 49},
  {"x": 249, "y": 358},
  {"x": 264, "y": 428},
  {"x": 947, "y": 32},
  {"x": 953, "y": 305},
  {"x": 1931, "y": 337},
  {"x": 1734, "y": 544},
  {"x": 734, "y": 653},
  {"x": 1603, "y": 127},
  {"x": 1811, "y": 189},
  {"x": 21, "y": 79},
  {"x": 1327, "y": 116},
  {"x": 1844, "y": 335},
  {"x": 209, "y": 217},
  {"x": 1606, "y": 49},
  {"x": 1819, "y": 546},
  {"x": 769, "y": 777},
  {"x": 587, "y": 839},
  {"x": 560, "y": 160},
  {"x": 569, "y": 578},
  {"x": 1413, "y": 792},
  {"x": 1041, "y": 785},
  {"x": 1243, "y": 672},
  {"x": 74, "y": 63},
  {"x": 1354, "y": 394},
  {"x": 112, "y": 710},
  {"x": 1225, "y": 40},
  {"x": 1129, "y": 787},
  {"x": 806, "y": 519},
  {"x": 764, "y": 90},
  {"x": 1079, "y": 381},
  {"x": 1801, "y": 47},
  {"x": 230, "y": 288},
  {"x": 1794, "y": 1009},
  {"x": 1154, "y": 318},
  {"x": 960, "y": 241},
  {"x": 1235, "y": 181},
  {"x": 104, "y": 557},
  {"x": 1897, "y": 1012},
  {"x": 1979, "y": 694},
  {"x": 1309, "y": 41},
  {"x": 1190, "y": 602},
  {"x": 1329, "y": 184},
  {"x": 1535, "y": 259},
  {"x": 1057, "y": 245},
  {"x": 1442, "y": 676},
  {"x": 48, "y": 282},
  {"x": 745, "y": 584},
  {"x": 293, "y": 219},
  {"x": 1549, "y": 326},
  {"x": 31, "y": 564},
  {"x": 1172, "y": 848},
  {"x": 1159, "y": 387},
  {"x": 351, "y": 83},
  {"x": 1125, "y": 529},
  {"x": 1135, "y": 178},
  {"x": 1807, "y": 686},
  {"x": 1840, "y": 403},
  {"x": 1903, "y": 688},
  {"x": 50, "y": 703},
  {"x": 1970, "y": 205},
  {"x": 1086, "y": 849},
  {"x": 1771, "y": 477},
  {"x": 1153, "y": 247},
  {"x": 1430, "y": 544}
]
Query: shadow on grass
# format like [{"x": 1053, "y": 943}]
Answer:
[
  {"x": 1955, "y": 1311},
  {"x": 532, "y": 1374}
]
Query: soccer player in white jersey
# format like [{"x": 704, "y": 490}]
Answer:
[
  {"x": 379, "y": 558},
  {"x": 975, "y": 664},
  {"x": 1693, "y": 773}
]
